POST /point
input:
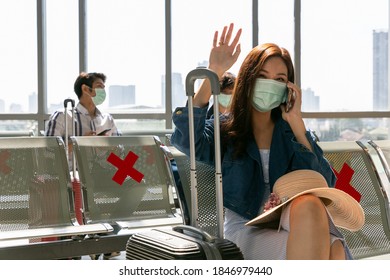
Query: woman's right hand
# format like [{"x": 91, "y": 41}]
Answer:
[
  {"x": 224, "y": 53},
  {"x": 222, "y": 57}
]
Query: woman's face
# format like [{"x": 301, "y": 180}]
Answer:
[{"x": 274, "y": 68}]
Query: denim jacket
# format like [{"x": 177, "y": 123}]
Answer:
[{"x": 243, "y": 183}]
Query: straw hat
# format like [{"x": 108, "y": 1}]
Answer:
[{"x": 345, "y": 211}]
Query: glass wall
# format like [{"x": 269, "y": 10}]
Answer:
[
  {"x": 344, "y": 56},
  {"x": 126, "y": 41},
  {"x": 18, "y": 57},
  {"x": 339, "y": 56},
  {"x": 147, "y": 47},
  {"x": 193, "y": 28},
  {"x": 62, "y": 52},
  {"x": 276, "y": 23}
]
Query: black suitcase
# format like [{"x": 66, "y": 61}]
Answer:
[
  {"x": 180, "y": 243},
  {"x": 188, "y": 242}
]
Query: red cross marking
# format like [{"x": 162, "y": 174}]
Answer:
[
  {"x": 4, "y": 168},
  {"x": 343, "y": 181},
  {"x": 125, "y": 167}
]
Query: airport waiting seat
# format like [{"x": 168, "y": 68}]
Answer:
[
  {"x": 207, "y": 201},
  {"x": 357, "y": 164},
  {"x": 382, "y": 161},
  {"x": 36, "y": 200},
  {"x": 126, "y": 181},
  {"x": 347, "y": 159}
]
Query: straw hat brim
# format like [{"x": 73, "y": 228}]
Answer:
[{"x": 345, "y": 211}]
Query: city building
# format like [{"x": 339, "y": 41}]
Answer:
[
  {"x": 380, "y": 70},
  {"x": 121, "y": 95}
]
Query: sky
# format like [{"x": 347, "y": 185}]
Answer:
[{"x": 126, "y": 42}]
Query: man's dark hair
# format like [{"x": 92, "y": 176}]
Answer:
[{"x": 87, "y": 79}]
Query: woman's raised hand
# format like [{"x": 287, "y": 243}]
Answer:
[{"x": 224, "y": 53}]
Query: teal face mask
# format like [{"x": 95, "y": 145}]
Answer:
[
  {"x": 268, "y": 94},
  {"x": 100, "y": 96},
  {"x": 224, "y": 99}
]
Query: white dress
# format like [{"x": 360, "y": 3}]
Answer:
[{"x": 267, "y": 244}]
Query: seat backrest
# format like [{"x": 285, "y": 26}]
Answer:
[
  {"x": 207, "y": 209},
  {"x": 17, "y": 133},
  {"x": 382, "y": 161},
  {"x": 36, "y": 198},
  {"x": 35, "y": 190},
  {"x": 356, "y": 165},
  {"x": 161, "y": 134},
  {"x": 126, "y": 181}
]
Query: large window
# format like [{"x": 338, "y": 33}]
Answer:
[
  {"x": 18, "y": 57},
  {"x": 62, "y": 51},
  {"x": 344, "y": 56},
  {"x": 193, "y": 27},
  {"x": 126, "y": 41},
  {"x": 339, "y": 55},
  {"x": 146, "y": 48},
  {"x": 276, "y": 23}
]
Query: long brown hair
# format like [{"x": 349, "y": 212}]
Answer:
[{"x": 238, "y": 126}]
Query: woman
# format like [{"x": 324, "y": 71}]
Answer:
[{"x": 263, "y": 138}]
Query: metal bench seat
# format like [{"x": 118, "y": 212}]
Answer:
[
  {"x": 126, "y": 181},
  {"x": 36, "y": 197}
]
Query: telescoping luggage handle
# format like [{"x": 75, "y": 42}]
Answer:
[
  {"x": 72, "y": 102},
  {"x": 204, "y": 73},
  {"x": 76, "y": 186}
]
